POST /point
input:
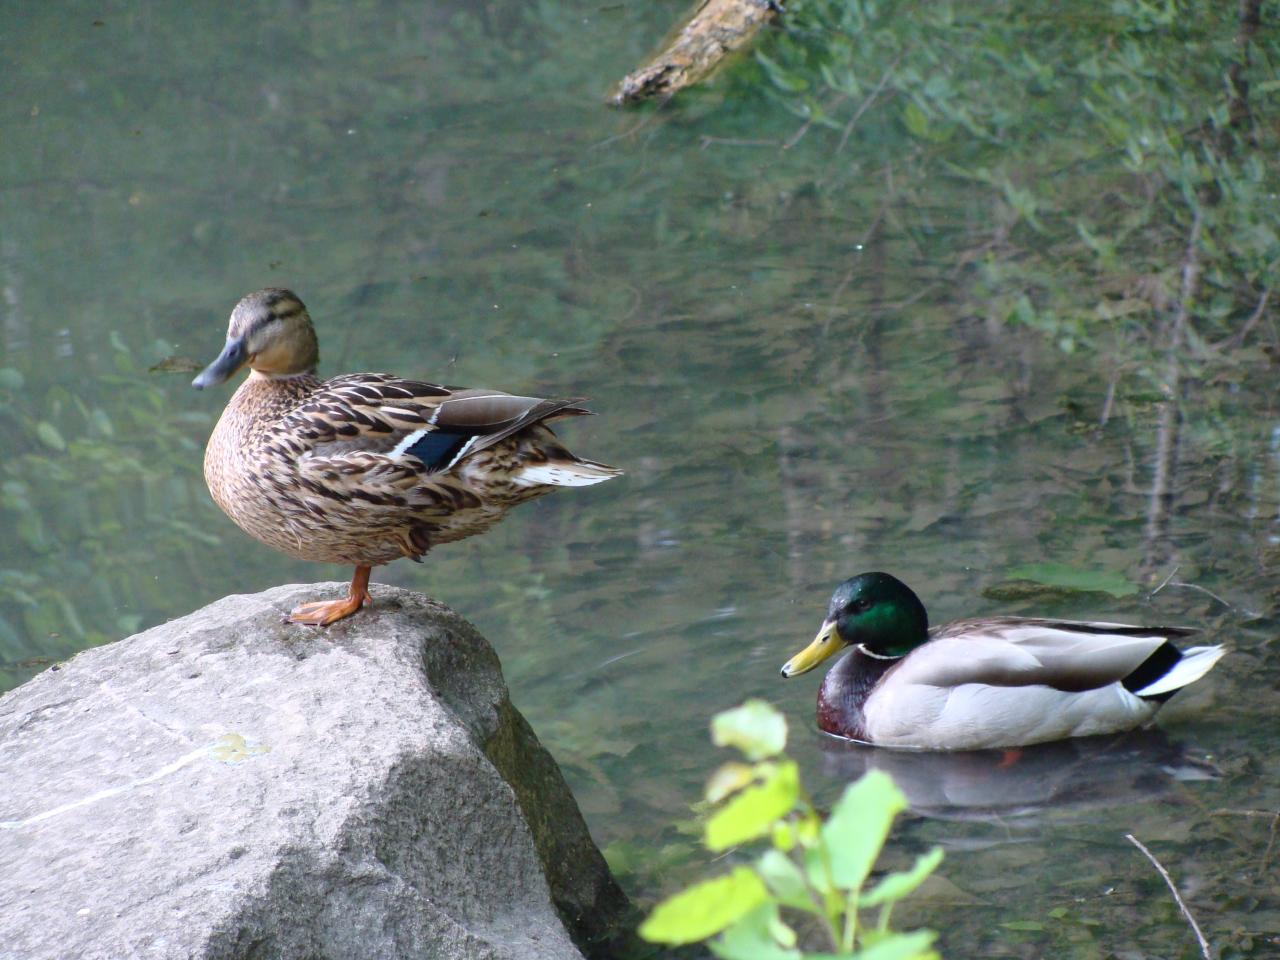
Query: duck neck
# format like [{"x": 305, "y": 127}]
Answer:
[
  {"x": 845, "y": 690},
  {"x": 267, "y": 397}
]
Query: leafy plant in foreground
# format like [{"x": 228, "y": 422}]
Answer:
[{"x": 814, "y": 866}]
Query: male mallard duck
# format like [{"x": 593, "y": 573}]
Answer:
[
  {"x": 365, "y": 468},
  {"x": 976, "y": 684}
]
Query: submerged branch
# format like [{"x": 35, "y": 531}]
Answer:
[
  {"x": 1237, "y": 340},
  {"x": 716, "y": 29},
  {"x": 1170, "y": 582},
  {"x": 1161, "y": 500},
  {"x": 1238, "y": 112},
  {"x": 1177, "y": 898},
  {"x": 1273, "y": 816},
  {"x": 866, "y": 104}
]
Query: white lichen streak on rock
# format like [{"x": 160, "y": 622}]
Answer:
[{"x": 160, "y": 774}]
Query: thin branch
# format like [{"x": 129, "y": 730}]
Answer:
[
  {"x": 1271, "y": 815},
  {"x": 645, "y": 121},
  {"x": 1165, "y": 582},
  {"x": 709, "y": 141},
  {"x": 1204, "y": 944},
  {"x": 1109, "y": 401},
  {"x": 1252, "y": 614},
  {"x": 1160, "y": 502},
  {"x": 1237, "y": 83},
  {"x": 889, "y": 198},
  {"x": 1237, "y": 341},
  {"x": 866, "y": 104},
  {"x": 804, "y": 128},
  {"x": 796, "y": 137},
  {"x": 1271, "y": 843}
]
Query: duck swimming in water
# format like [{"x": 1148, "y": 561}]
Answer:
[
  {"x": 978, "y": 684},
  {"x": 364, "y": 468}
]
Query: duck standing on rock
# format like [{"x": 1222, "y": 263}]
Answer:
[
  {"x": 365, "y": 468},
  {"x": 990, "y": 683}
]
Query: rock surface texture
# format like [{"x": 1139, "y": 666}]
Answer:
[{"x": 227, "y": 785}]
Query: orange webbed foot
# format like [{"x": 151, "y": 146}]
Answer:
[
  {"x": 1009, "y": 758},
  {"x": 324, "y": 612},
  {"x": 321, "y": 613}
]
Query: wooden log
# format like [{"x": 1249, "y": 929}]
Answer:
[{"x": 716, "y": 29}]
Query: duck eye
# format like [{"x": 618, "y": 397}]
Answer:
[{"x": 859, "y": 606}]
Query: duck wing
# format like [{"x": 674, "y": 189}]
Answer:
[
  {"x": 1067, "y": 655},
  {"x": 413, "y": 423}
]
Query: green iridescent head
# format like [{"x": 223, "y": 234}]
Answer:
[{"x": 875, "y": 611}]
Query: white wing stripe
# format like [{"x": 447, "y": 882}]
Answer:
[
  {"x": 406, "y": 443},
  {"x": 466, "y": 448}
]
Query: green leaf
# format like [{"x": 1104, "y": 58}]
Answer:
[
  {"x": 102, "y": 422},
  {"x": 10, "y": 379},
  {"x": 752, "y": 812},
  {"x": 31, "y": 531},
  {"x": 858, "y": 826},
  {"x": 896, "y": 946},
  {"x": 49, "y": 435},
  {"x": 756, "y": 728},
  {"x": 898, "y": 885},
  {"x": 785, "y": 79},
  {"x": 916, "y": 122},
  {"x": 785, "y": 881},
  {"x": 705, "y": 908},
  {"x": 783, "y": 934},
  {"x": 1071, "y": 578},
  {"x": 756, "y": 937},
  {"x": 728, "y": 779},
  {"x": 784, "y": 836}
]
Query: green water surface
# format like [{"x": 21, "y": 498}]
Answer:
[{"x": 788, "y": 358}]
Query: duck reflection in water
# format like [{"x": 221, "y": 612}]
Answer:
[{"x": 1076, "y": 775}]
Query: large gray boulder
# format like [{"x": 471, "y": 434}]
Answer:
[{"x": 228, "y": 785}]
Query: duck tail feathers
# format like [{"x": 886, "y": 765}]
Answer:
[
  {"x": 1194, "y": 663},
  {"x": 565, "y": 473}
]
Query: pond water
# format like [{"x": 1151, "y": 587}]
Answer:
[{"x": 786, "y": 358}]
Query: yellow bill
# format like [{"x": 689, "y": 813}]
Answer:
[{"x": 824, "y": 645}]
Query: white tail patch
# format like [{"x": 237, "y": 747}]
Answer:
[
  {"x": 581, "y": 474},
  {"x": 1195, "y": 663}
]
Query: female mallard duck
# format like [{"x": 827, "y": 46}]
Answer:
[
  {"x": 976, "y": 684},
  {"x": 365, "y": 468}
]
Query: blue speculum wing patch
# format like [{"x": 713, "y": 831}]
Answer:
[{"x": 437, "y": 448}]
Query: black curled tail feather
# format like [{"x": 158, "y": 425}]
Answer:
[{"x": 1163, "y": 659}]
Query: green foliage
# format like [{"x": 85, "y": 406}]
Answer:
[
  {"x": 755, "y": 728},
  {"x": 706, "y": 908},
  {"x": 1105, "y": 142},
  {"x": 75, "y": 481},
  {"x": 812, "y": 866}
]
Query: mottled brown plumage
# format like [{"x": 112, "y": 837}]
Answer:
[{"x": 365, "y": 468}]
